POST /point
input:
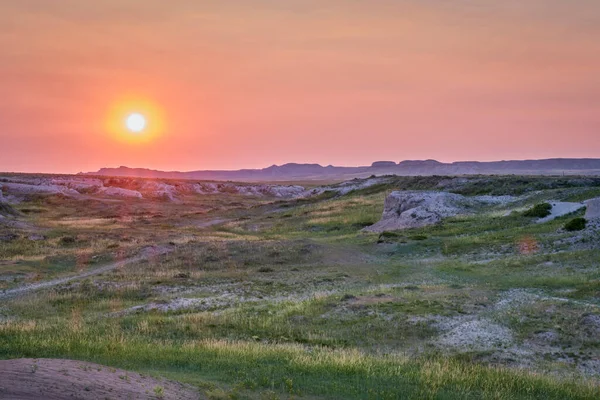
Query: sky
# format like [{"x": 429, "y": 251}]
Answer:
[{"x": 248, "y": 84}]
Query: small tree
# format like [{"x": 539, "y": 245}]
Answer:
[{"x": 539, "y": 210}]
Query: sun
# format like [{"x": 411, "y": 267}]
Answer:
[{"x": 135, "y": 122}]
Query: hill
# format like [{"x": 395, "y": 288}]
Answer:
[{"x": 293, "y": 171}]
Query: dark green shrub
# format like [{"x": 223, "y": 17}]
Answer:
[
  {"x": 576, "y": 224},
  {"x": 539, "y": 210},
  {"x": 389, "y": 237},
  {"x": 388, "y": 234},
  {"x": 67, "y": 240},
  {"x": 418, "y": 237}
]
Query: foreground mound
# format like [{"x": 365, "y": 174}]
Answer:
[
  {"x": 413, "y": 209},
  {"x": 25, "y": 379}
]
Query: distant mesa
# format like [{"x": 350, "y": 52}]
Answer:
[
  {"x": 298, "y": 171},
  {"x": 420, "y": 163},
  {"x": 383, "y": 164}
]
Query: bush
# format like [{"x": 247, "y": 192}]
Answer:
[
  {"x": 67, "y": 240},
  {"x": 387, "y": 234},
  {"x": 418, "y": 237},
  {"x": 539, "y": 210},
  {"x": 576, "y": 224},
  {"x": 388, "y": 237}
]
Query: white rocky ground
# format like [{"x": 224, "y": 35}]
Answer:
[
  {"x": 18, "y": 188},
  {"x": 414, "y": 209},
  {"x": 347, "y": 186},
  {"x": 593, "y": 209}
]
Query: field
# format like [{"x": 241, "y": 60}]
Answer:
[{"x": 247, "y": 297}]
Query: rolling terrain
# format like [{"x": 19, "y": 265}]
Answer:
[{"x": 276, "y": 291}]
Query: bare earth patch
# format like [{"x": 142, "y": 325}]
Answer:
[
  {"x": 50, "y": 379},
  {"x": 479, "y": 334}
]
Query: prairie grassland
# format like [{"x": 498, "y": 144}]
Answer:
[
  {"x": 288, "y": 370},
  {"x": 264, "y": 298}
]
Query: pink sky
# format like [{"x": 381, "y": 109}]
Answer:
[{"x": 252, "y": 83}]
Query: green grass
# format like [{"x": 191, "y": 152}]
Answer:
[
  {"x": 585, "y": 194},
  {"x": 288, "y": 368},
  {"x": 302, "y": 302}
]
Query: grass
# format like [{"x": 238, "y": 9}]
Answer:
[
  {"x": 293, "y": 299},
  {"x": 289, "y": 368}
]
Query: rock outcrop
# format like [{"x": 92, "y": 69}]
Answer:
[
  {"x": 158, "y": 190},
  {"x": 81, "y": 185},
  {"x": 19, "y": 187},
  {"x": 22, "y": 189},
  {"x": 593, "y": 209},
  {"x": 120, "y": 192},
  {"x": 346, "y": 187},
  {"x": 413, "y": 209}
]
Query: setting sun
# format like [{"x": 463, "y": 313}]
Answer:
[{"x": 135, "y": 122}]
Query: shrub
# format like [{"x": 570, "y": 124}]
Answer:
[
  {"x": 418, "y": 237},
  {"x": 388, "y": 237},
  {"x": 67, "y": 240},
  {"x": 159, "y": 391},
  {"x": 576, "y": 224},
  {"x": 539, "y": 210}
]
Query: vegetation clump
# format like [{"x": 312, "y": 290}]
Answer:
[
  {"x": 67, "y": 240},
  {"x": 390, "y": 237},
  {"x": 539, "y": 210},
  {"x": 576, "y": 224},
  {"x": 418, "y": 237}
]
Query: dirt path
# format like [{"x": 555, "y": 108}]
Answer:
[
  {"x": 29, "y": 379},
  {"x": 146, "y": 253}
]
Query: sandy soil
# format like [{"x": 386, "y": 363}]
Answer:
[{"x": 29, "y": 379}]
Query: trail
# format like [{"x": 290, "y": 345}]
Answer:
[{"x": 146, "y": 253}]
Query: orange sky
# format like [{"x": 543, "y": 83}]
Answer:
[{"x": 245, "y": 84}]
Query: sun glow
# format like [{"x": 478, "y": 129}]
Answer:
[{"x": 135, "y": 120}]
